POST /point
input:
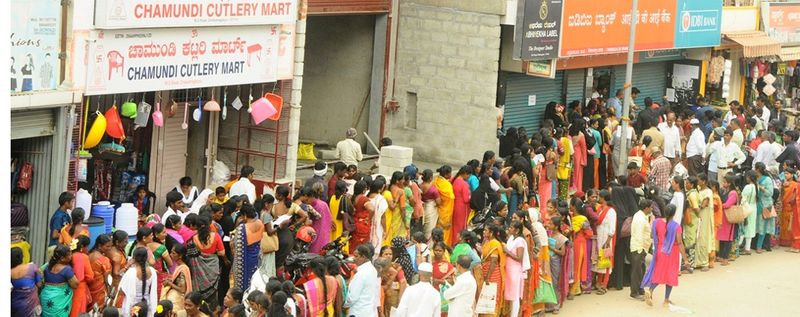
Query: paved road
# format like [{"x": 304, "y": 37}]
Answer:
[{"x": 765, "y": 284}]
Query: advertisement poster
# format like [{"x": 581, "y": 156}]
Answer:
[
  {"x": 683, "y": 85},
  {"x": 35, "y": 34},
  {"x": 116, "y": 14},
  {"x": 541, "y": 24},
  {"x": 122, "y": 61},
  {"x": 782, "y": 21},
  {"x": 603, "y": 27}
]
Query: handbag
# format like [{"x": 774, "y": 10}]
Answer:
[
  {"x": 269, "y": 243},
  {"x": 626, "y": 228},
  {"x": 487, "y": 301},
  {"x": 603, "y": 261},
  {"x": 545, "y": 293},
  {"x": 551, "y": 171},
  {"x": 737, "y": 214},
  {"x": 770, "y": 213}
]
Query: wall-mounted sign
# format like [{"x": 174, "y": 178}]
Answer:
[
  {"x": 539, "y": 29},
  {"x": 782, "y": 21},
  {"x": 660, "y": 55},
  {"x": 603, "y": 27},
  {"x": 35, "y": 34},
  {"x": 739, "y": 19},
  {"x": 117, "y": 14},
  {"x": 545, "y": 69},
  {"x": 122, "y": 61}
]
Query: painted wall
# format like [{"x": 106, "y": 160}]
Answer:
[{"x": 336, "y": 78}]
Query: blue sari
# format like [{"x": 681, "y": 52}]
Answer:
[{"x": 245, "y": 263}]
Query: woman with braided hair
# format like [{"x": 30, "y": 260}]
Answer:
[{"x": 139, "y": 284}]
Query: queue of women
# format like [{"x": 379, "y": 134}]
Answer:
[{"x": 547, "y": 220}]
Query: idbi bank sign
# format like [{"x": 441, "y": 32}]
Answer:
[
  {"x": 117, "y": 14},
  {"x": 699, "y": 23}
]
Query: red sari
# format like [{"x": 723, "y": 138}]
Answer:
[
  {"x": 796, "y": 222},
  {"x": 81, "y": 297},
  {"x": 363, "y": 223},
  {"x": 97, "y": 285},
  {"x": 460, "y": 208},
  {"x": 441, "y": 270},
  {"x": 578, "y": 161}
]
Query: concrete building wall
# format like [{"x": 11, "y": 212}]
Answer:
[
  {"x": 446, "y": 79},
  {"x": 337, "y": 77}
]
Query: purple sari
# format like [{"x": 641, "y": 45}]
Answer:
[
  {"x": 245, "y": 261},
  {"x": 25, "y": 295},
  {"x": 322, "y": 226},
  {"x": 669, "y": 241}
]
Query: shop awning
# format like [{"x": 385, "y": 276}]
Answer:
[
  {"x": 755, "y": 44},
  {"x": 790, "y": 53}
]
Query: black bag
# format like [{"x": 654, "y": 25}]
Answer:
[
  {"x": 19, "y": 215},
  {"x": 590, "y": 141}
]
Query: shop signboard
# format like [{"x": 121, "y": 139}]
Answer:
[
  {"x": 603, "y": 27},
  {"x": 35, "y": 39},
  {"x": 546, "y": 68},
  {"x": 539, "y": 30},
  {"x": 661, "y": 55},
  {"x": 739, "y": 19},
  {"x": 782, "y": 21},
  {"x": 118, "y": 14},
  {"x": 123, "y": 61}
]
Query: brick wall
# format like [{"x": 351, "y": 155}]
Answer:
[{"x": 448, "y": 57}]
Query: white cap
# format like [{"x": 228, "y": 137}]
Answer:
[
  {"x": 694, "y": 121},
  {"x": 425, "y": 267}
]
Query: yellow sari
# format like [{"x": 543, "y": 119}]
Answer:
[
  {"x": 389, "y": 219},
  {"x": 489, "y": 249},
  {"x": 447, "y": 197},
  {"x": 334, "y": 207}
]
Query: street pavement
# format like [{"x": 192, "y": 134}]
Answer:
[{"x": 765, "y": 284}]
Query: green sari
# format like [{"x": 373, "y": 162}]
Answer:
[{"x": 56, "y": 296}]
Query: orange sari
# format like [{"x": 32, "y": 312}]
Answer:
[
  {"x": 494, "y": 248},
  {"x": 527, "y": 307},
  {"x": 787, "y": 208},
  {"x": 446, "y": 206},
  {"x": 97, "y": 285},
  {"x": 66, "y": 239},
  {"x": 81, "y": 297}
]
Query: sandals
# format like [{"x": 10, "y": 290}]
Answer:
[
  {"x": 648, "y": 297},
  {"x": 601, "y": 291}
]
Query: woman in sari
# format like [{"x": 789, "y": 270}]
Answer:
[
  {"x": 362, "y": 217},
  {"x": 335, "y": 271},
  {"x": 795, "y": 224},
  {"x": 161, "y": 254},
  {"x": 74, "y": 229},
  {"x": 559, "y": 246},
  {"x": 666, "y": 262},
  {"x": 82, "y": 268},
  {"x": 606, "y": 242},
  {"x": 493, "y": 261},
  {"x": 324, "y": 224},
  {"x": 339, "y": 194},
  {"x": 101, "y": 267},
  {"x": 119, "y": 262},
  {"x": 25, "y": 281},
  {"x": 173, "y": 225},
  {"x": 519, "y": 187},
  {"x": 545, "y": 189},
  {"x": 139, "y": 284},
  {"x": 531, "y": 263},
  {"x": 579, "y": 157},
  {"x": 466, "y": 246},
  {"x": 430, "y": 201},
  {"x": 765, "y": 227},
  {"x": 59, "y": 284},
  {"x": 564, "y": 170},
  {"x": 581, "y": 234},
  {"x": 461, "y": 202},
  {"x": 540, "y": 259},
  {"x": 446, "y": 202},
  {"x": 393, "y": 280},
  {"x": 180, "y": 283},
  {"x": 788, "y": 198},
  {"x": 514, "y": 279},
  {"x": 321, "y": 290},
  {"x": 205, "y": 251},
  {"x": 727, "y": 231},
  {"x": 246, "y": 247},
  {"x": 378, "y": 232},
  {"x": 748, "y": 228},
  {"x": 442, "y": 270},
  {"x": 397, "y": 225}
]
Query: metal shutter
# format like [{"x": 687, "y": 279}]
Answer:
[
  {"x": 576, "y": 80},
  {"x": 32, "y": 123},
  {"x": 650, "y": 78},
  {"x": 39, "y": 199},
  {"x": 518, "y": 87},
  {"x": 168, "y": 158}
]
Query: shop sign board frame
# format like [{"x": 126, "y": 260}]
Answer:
[
  {"x": 782, "y": 21},
  {"x": 739, "y": 19},
  {"x": 538, "y": 29},
  {"x": 545, "y": 68},
  {"x": 35, "y": 45},
  {"x": 121, "y": 14},
  {"x": 136, "y": 60},
  {"x": 602, "y": 27}
]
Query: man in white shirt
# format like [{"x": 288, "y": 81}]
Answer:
[
  {"x": 765, "y": 112},
  {"x": 461, "y": 294},
  {"x": 421, "y": 299},
  {"x": 363, "y": 297},
  {"x": 729, "y": 155},
  {"x": 696, "y": 148},
  {"x": 768, "y": 151},
  {"x": 738, "y": 136},
  {"x": 175, "y": 206},
  {"x": 348, "y": 150},
  {"x": 672, "y": 138},
  {"x": 243, "y": 186},
  {"x": 640, "y": 244}
]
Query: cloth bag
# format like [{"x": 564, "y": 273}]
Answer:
[
  {"x": 545, "y": 293},
  {"x": 487, "y": 301},
  {"x": 269, "y": 243},
  {"x": 603, "y": 260}
]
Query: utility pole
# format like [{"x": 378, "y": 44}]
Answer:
[{"x": 626, "y": 104}]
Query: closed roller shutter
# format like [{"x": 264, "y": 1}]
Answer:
[
  {"x": 168, "y": 162},
  {"x": 518, "y": 88},
  {"x": 39, "y": 199},
  {"x": 32, "y": 123},
  {"x": 576, "y": 80},
  {"x": 650, "y": 78}
]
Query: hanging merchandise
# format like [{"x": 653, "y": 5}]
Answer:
[
  {"x": 261, "y": 109},
  {"x": 715, "y": 69},
  {"x": 225, "y": 105},
  {"x": 769, "y": 89},
  {"x": 158, "y": 117},
  {"x": 197, "y": 115},
  {"x": 185, "y": 125},
  {"x": 102, "y": 180},
  {"x": 277, "y": 102},
  {"x": 143, "y": 114},
  {"x": 212, "y": 105},
  {"x": 114, "y": 127},
  {"x": 129, "y": 109},
  {"x": 83, "y": 169},
  {"x": 237, "y": 103},
  {"x": 172, "y": 108},
  {"x": 96, "y": 132}
]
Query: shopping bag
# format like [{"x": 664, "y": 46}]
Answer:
[
  {"x": 487, "y": 302},
  {"x": 545, "y": 293},
  {"x": 445, "y": 303},
  {"x": 603, "y": 261},
  {"x": 305, "y": 152}
]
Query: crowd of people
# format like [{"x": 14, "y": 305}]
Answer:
[{"x": 518, "y": 233}]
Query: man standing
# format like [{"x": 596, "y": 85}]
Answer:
[
  {"x": 790, "y": 152},
  {"x": 761, "y": 103},
  {"x": 729, "y": 155},
  {"x": 243, "y": 186},
  {"x": 320, "y": 169},
  {"x": 672, "y": 138},
  {"x": 695, "y": 149},
  {"x": 348, "y": 150},
  {"x": 363, "y": 296},
  {"x": 654, "y": 133},
  {"x": 715, "y": 141},
  {"x": 768, "y": 151},
  {"x": 461, "y": 294},
  {"x": 777, "y": 114},
  {"x": 660, "y": 170},
  {"x": 640, "y": 244},
  {"x": 738, "y": 136},
  {"x": 66, "y": 201},
  {"x": 616, "y": 102},
  {"x": 421, "y": 299}
]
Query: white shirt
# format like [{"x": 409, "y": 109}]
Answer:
[
  {"x": 672, "y": 140},
  {"x": 421, "y": 300},
  {"x": 765, "y": 114},
  {"x": 187, "y": 200},
  {"x": 243, "y": 187},
  {"x": 640, "y": 232},
  {"x": 461, "y": 295},
  {"x": 363, "y": 296},
  {"x": 678, "y": 199},
  {"x": 767, "y": 153},
  {"x": 712, "y": 155},
  {"x": 737, "y": 137},
  {"x": 171, "y": 212},
  {"x": 727, "y": 153},
  {"x": 349, "y": 151},
  {"x": 697, "y": 144}
]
